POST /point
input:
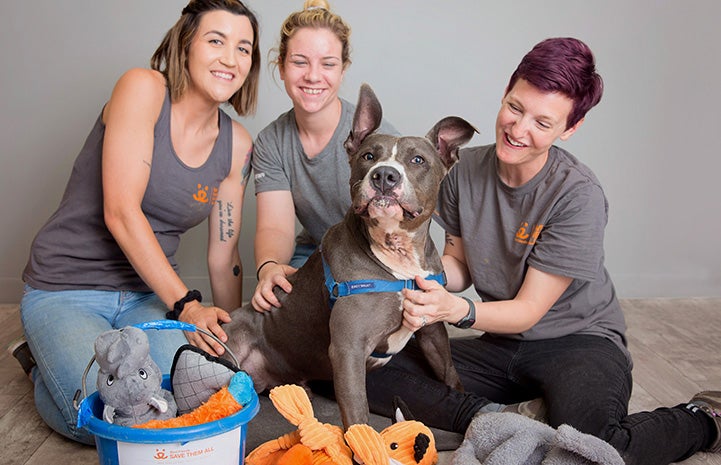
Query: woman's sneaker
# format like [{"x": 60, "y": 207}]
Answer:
[
  {"x": 709, "y": 402},
  {"x": 21, "y": 351}
]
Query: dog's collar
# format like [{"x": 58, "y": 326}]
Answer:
[{"x": 362, "y": 286}]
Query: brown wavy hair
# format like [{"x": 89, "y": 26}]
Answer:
[{"x": 171, "y": 57}]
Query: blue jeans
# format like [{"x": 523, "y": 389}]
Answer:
[
  {"x": 61, "y": 328},
  {"x": 301, "y": 254},
  {"x": 584, "y": 380}
]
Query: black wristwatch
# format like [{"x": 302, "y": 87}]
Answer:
[
  {"x": 180, "y": 305},
  {"x": 468, "y": 320}
]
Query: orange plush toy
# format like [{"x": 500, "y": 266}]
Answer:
[
  {"x": 315, "y": 443},
  {"x": 407, "y": 442},
  {"x": 227, "y": 401}
]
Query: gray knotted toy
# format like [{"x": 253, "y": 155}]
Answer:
[{"x": 129, "y": 381}]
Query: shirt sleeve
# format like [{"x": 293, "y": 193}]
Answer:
[
  {"x": 446, "y": 214},
  {"x": 571, "y": 243},
  {"x": 268, "y": 168}
]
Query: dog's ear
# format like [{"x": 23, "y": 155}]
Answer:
[
  {"x": 367, "y": 118},
  {"x": 448, "y": 135},
  {"x": 401, "y": 412}
]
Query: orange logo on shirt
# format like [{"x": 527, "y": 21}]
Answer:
[
  {"x": 524, "y": 237},
  {"x": 202, "y": 194}
]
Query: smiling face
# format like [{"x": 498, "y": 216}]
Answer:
[
  {"x": 313, "y": 69},
  {"x": 220, "y": 55},
  {"x": 528, "y": 123}
]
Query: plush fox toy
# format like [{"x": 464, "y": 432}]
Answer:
[{"x": 315, "y": 443}]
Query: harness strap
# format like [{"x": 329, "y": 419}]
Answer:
[{"x": 362, "y": 286}]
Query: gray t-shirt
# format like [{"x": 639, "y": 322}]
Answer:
[
  {"x": 75, "y": 250},
  {"x": 319, "y": 185},
  {"x": 554, "y": 223}
]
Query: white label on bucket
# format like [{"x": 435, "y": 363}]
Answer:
[{"x": 223, "y": 449}]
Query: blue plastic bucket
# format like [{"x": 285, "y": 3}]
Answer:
[{"x": 220, "y": 442}]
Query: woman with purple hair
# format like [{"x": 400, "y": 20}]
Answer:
[{"x": 524, "y": 222}]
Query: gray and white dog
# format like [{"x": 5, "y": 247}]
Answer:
[{"x": 344, "y": 315}]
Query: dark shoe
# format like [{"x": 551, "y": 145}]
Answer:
[
  {"x": 20, "y": 350},
  {"x": 709, "y": 402},
  {"x": 535, "y": 409}
]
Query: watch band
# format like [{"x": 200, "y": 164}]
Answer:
[
  {"x": 470, "y": 318},
  {"x": 180, "y": 304}
]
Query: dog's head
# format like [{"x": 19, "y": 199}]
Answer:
[{"x": 396, "y": 179}]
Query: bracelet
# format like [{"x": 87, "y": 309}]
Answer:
[
  {"x": 178, "y": 307},
  {"x": 257, "y": 273},
  {"x": 470, "y": 318}
]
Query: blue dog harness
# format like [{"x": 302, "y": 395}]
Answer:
[{"x": 364, "y": 286}]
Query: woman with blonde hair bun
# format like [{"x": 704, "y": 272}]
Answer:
[{"x": 300, "y": 165}]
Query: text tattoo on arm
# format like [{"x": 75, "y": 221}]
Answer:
[{"x": 226, "y": 224}]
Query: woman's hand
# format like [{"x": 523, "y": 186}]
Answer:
[
  {"x": 209, "y": 319},
  {"x": 271, "y": 275},
  {"x": 430, "y": 304}
]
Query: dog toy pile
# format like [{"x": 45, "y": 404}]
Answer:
[
  {"x": 205, "y": 388},
  {"x": 502, "y": 438},
  {"x": 315, "y": 443},
  {"x": 227, "y": 401}
]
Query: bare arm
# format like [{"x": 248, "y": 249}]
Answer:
[
  {"x": 224, "y": 224},
  {"x": 274, "y": 245},
  {"x": 538, "y": 292},
  {"x": 454, "y": 264},
  {"x": 130, "y": 117}
]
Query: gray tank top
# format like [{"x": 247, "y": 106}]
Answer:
[{"x": 74, "y": 249}]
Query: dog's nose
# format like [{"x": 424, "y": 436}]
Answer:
[{"x": 385, "y": 178}]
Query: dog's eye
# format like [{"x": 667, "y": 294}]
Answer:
[
  {"x": 368, "y": 156},
  {"x": 393, "y": 445},
  {"x": 143, "y": 374},
  {"x": 418, "y": 160},
  {"x": 110, "y": 380}
]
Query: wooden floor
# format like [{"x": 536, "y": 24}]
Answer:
[{"x": 676, "y": 345}]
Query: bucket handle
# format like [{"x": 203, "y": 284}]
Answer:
[{"x": 157, "y": 324}]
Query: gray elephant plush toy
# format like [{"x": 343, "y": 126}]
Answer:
[{"x": 129, "y": 381}]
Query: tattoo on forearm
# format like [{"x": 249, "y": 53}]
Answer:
[
  {"x": 236, "y": 270},
  {"x": 245, "y": 173},
  {"x": 226, "y": 224},
  {"x": 449, "y": 239}
]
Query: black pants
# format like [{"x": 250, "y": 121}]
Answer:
[{"x": 584, "y": 380}]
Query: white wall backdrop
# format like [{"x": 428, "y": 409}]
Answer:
[{"x": 652, "y": 141}]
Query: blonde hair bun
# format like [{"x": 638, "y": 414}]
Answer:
[{"x": 313, "y": 4}]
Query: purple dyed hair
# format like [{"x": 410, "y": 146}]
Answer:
[{"x": 564, "y": 65}]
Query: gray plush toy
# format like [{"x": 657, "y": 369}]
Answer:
[
  {"x": 129, "y": 381},
  {"x": 505, "y": 438}
]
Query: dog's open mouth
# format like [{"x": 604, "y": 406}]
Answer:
[{"x": 387, "y": 206}]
